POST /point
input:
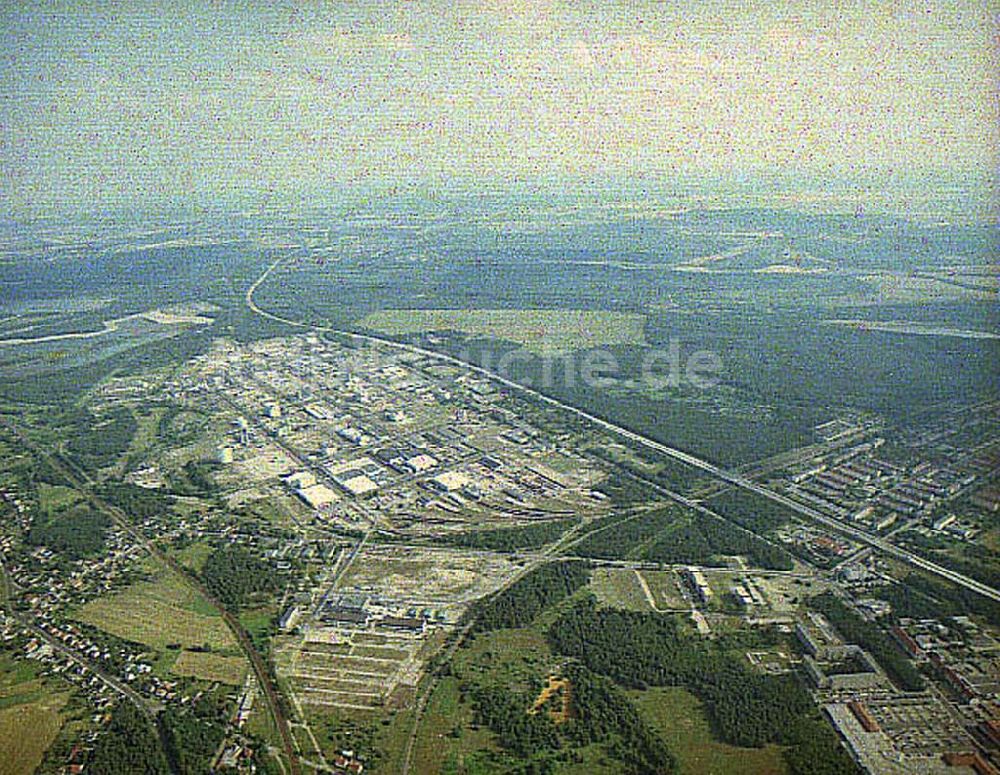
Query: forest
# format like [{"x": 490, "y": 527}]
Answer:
[
  {"x": 871, "y": 638},
  {"x": 520, "y": 603},
  {"x": 672, "y": 536},
  {"x": 704, "y": 540},
  {"x": 75, "y": 532},
  {"x": 234, "y": 576},
  {"x": 614, "y": 538},
  {"x": 601, "y": 714},
  {"x": 754, "y": 512},
  {"x": 129, "y": 746},
  {"x": 745, "y": 708},
  {"x": 138, "y": 502},
  {"x": 96, "y": 442}
]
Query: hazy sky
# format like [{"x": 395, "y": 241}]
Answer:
[{"x": 190, "y": 99}]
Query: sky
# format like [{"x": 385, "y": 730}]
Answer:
[{"x": 170, "y": 101}]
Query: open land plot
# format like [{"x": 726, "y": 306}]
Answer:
[
  {"x": 263, "y": 464},
  {"x": 194, "y": 556},
  {"x": 619, "y": 588},
  {"x": 53, "y": 496},
  {"x": 211, "y": 667},
  {"x": 341, "y": 667},
  {"x": 26, "y": 732},
  {"x": 782, "y": 593},
  {"x": 157, "y": 613},
  {"x": 665, "y": 587},
  {"x": 440, "y": 574},
  {"x": 538, "y": 330},
  {"x": 678, "y": 717},
  {"x": 435, "y": 750}
]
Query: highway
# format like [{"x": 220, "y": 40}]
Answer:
[{"x": 730, "y": 477}]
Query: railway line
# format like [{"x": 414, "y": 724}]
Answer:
[{"x": 733, "y": 478}]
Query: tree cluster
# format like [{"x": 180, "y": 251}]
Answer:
[
  {"x": 642, "y": 649},
  {"x": 130, "y": 745},
  {"x": 519, "y": 604},
  {"x": 99, "y": 442},
  {"x": 233, "y": 575},
  {"x": 74, "y": 533}
]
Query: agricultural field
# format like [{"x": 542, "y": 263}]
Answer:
[
  {"x": 26, "y": 732},
  {"x": 211, "y": 667},
  {"x": 159, "y": 612},
  {"x": 544, "y": 332},
  {"x": 30, "y": 716},
  {"x": 680, "y": 720}
]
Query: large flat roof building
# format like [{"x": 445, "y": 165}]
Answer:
[
  {"x": 450, "y": 481},
  {"x": 359, "y": 485},
  {"x": 317, "y": 496}
]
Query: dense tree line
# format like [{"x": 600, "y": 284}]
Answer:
[
  {"x": 191, "y": 739},
  {"x": 600, "y": 714},
  {"x": 704, "y": 541},
  {"x": 519, "y": 604},
  {"x": 870, "y": 637},
  {"x": 233, "y": 575},
  {"x": 754, "y": 512},
  {"x": 509, "y": 539},
  {"x": 76, "y": 532},
  {"x": 618, "y": 540},
  {"x": 922, "y": 597},
  {"x": 603, "y": 714},
  {"x": 138, "y": 502},
  {"x": 745, "y": 708},
  {"x": 129, "y": 746},
  {"x": 663, "y": 535},
  {"x": 95, "y": 442}
]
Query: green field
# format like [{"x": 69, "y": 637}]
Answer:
[
  {"x": 541, "y": 331},
  {"x": 193, "y": 556},
  {"x": 157, "y": 613},
  {"x": 26, "y": 732},
  {"x": 618, "y": 588},
  {"x": 679, "y": 718},
  {"x": 52, "y": 497},
  {"x": 211, "y": 667},
  {"x": 446, "y": 743},
  {"x": 30, "y": 716}
]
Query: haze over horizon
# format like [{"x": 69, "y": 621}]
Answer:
[{"x": 170, "y": 103}]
